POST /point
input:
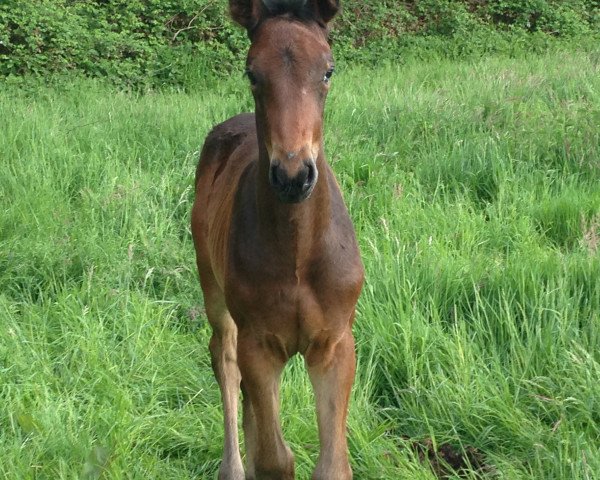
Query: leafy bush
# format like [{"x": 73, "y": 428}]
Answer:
[
  {"x": 157, "y": 42},
  {"x": 131, "y": 42}
]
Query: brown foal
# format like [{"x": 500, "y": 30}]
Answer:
[{"x": 276, "y": 251}]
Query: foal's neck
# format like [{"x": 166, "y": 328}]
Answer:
[{"x": 296, "y": 228}]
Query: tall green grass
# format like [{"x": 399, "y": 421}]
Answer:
[{"x": 475, "y": 192}]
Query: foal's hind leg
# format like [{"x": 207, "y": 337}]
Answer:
[
  {"x": 331, "y": 369},
  {"x": 223, "y": 350}
]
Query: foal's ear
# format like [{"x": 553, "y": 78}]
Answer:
[
  {"x": 325, "y": 10},
  {"x": 245, "y": 12}
]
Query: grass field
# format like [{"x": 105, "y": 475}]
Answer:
[{"x": 475, "y": 192}]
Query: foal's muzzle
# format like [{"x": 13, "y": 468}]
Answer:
[{"x": 297, "y": 188}]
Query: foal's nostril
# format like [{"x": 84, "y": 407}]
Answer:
[
  {"x": 277, "y": 176},
  {"x": 272, "y": 174},
  {"x": 302, "y": 177},
  {"x": 311, "y": 174}
]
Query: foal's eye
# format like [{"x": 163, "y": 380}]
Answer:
[
  {"x": 328, "y": 75},
  {"x": 251, "y": 77}
]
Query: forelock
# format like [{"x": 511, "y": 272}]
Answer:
[{"x": 276, "y": 7}]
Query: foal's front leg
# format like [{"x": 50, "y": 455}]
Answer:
[
  {"x": 249, "y": 424},
  {"x": 223, "y": 350},
  {"x": 331, "y": 369},
  {"x": 269, "y": 457}
]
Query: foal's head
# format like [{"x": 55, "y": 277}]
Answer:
[{"x": 289, "y": 68}]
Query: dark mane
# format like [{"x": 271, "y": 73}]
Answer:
[
  {"x": 298, "y": 9},
  {"x": 278, "y": 7},
  {"x": 251, "y": 13}
]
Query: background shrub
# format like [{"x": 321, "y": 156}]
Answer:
[{"x": 179, "y": 42}]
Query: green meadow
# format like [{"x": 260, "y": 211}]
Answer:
[{"x": 474, "y": 187}]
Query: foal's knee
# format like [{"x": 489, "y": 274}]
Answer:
[
  {"x": 275, "y": 465},
  {"x": 231, "y": 472},
  {"x": 333, "y": 472},
  {"x": 274, "y": 475}
]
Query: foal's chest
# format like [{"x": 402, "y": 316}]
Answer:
[{"x": 294, "y": 302}]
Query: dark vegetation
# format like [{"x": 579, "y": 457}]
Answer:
[{"x": 182, "y": 42}]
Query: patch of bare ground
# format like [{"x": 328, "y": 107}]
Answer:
[
  {"x": 450, "y": 461},
  {"x": 591, "y": 233}
]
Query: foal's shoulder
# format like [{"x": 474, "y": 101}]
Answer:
[
  {"x": 224, "y": 139},
  {"x": 231, "y": 130}
]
